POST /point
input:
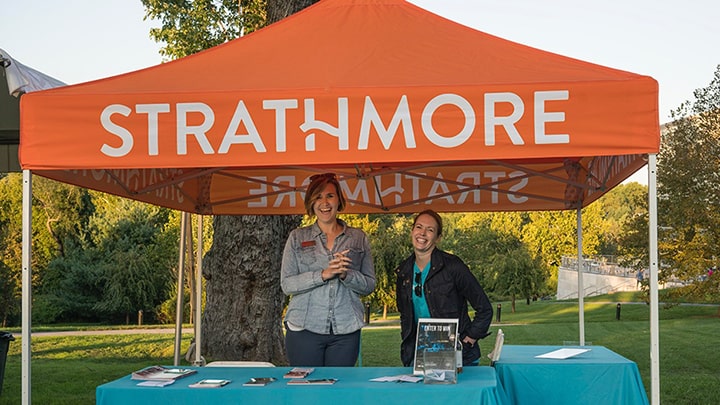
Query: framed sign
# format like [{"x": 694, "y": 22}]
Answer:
[{"x": 434, "y": 334}]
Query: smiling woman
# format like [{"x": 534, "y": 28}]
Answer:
[
  {"x": 326, "y": 267},
  {"x": 432, "y": 283}
]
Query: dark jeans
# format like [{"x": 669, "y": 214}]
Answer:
[
  {"x": 305, "y": 349},
  {"x": 471, "y": 353}
]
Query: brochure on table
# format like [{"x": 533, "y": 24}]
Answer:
[
  {"x": 162, "y": 373},
  {"x": 319, "y": 381},
  {"x": 299, "y": 372},
  {"x": 210, "y": 383},
  {"x": 259, "y": 381}
]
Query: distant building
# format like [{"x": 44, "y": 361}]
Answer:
[{"x": 601, "y": 275}]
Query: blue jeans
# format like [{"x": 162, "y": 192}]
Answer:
[{"x": 306, "y": 349}]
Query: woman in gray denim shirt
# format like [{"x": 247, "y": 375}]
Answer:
[{"x": 326, "y": 267}]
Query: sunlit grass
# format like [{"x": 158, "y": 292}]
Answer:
[{"x": 67, "y": 369}]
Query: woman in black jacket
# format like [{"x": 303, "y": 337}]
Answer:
[{"x": 432, "y": 283}]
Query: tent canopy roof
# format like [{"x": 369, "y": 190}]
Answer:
[
  {"x": 408, "y": 107},
  {"x": 15, "y": 79}
]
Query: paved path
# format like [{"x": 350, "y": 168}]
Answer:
[
  {"x": 379, "y": 324},
  {"x": 170, "y": 331}
]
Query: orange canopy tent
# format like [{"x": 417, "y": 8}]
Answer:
[
  {"x": 409, "y": 108},
  {"x": 406, "y": 106}
]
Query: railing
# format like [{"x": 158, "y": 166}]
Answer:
[
  {"x": 601, "y": 265},
  {"x": 606, "y": 265}
]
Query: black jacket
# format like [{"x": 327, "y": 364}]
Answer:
[{"x": 448, "y": 288}]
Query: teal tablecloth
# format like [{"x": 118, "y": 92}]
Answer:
[
  {"x": 476, "y": 385},
  {"x": 597, "y": 377}
]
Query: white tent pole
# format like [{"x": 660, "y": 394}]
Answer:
[
  {"x": 198, "y": 292},
  {"x": 654, "y": 314},
  {"x": 581, "y": 291},
  {"x": 180, "y": 284},
  {"x": 26, "y": 285}
]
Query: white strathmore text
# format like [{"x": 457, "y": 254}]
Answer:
[{"x": 399, "y": 123}]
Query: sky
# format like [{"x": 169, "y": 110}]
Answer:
[{"x": 674, "y": 42}]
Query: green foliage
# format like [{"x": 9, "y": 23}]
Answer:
[
  {"x": 9, "y": 292},
  {"x": 633, "y": 240},
  {"x": 553, "y": 234},
  {"x": 622, "y": 207},
  {"x": 190, "y": 26},
  {"x": 71, "y": 287},
  {"x": 516, "y": 272},
  {"x": 469, "y": 237},
  {"x": 165, "y": 312},
  {"x": 389, "y": 237},
  {"x": 499, "y": 259},
  {"x": 390, "y": 244},
  {"x": 689, "y": 187},
  {"x": 139, "y": 258},
  {"x": 95, "y": 257},
  {"x": 60, "y": 213}
]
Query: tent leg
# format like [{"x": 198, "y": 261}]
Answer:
[
  {"x": 26, "y": 286},
  {"x": 180, "y": 284},
  {"x": 581, "y": 287},
  {"x": 198, "y": 293},
  {"x": 654, "y": 313}
]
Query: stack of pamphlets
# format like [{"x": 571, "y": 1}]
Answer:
[
  {"x": 162, "y": 373},
  {"x": 155, "y": 383},
  {"x": 299, "y": 372}
]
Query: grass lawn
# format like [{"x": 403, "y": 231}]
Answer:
[{"x": 66, "y": 369}]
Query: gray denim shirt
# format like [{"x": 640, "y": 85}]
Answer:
[{"x": 316, "y": 305}]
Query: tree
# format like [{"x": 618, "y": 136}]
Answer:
[
  {"x": 243, "y": 297},
  {"x": 550, "y": 235},
  {"x": 136, "y": 270},
  {"x": 621, "y": 205},
  {"x": 468, "y": 235},
  {"x": 390, "y": 245},
  {"x": 60, "y": 212},
  {"x": 191, "y": 26},
  {"x": 514, "y": 271},
  {"x": 123, "y": 265},
  {"x": 10, "y": 260},
  {"x": 689, "y": 186},
  {"x": 498, "y": 258}
]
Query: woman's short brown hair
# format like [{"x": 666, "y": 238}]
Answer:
[
  {"x": 435, "y": 216},
  {"x": 317, "y": 185}
]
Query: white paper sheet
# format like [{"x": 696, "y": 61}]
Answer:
[{"x": 562, "y": 354}]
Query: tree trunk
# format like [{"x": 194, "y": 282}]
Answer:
[
  {"x": 276, "y": 10},
  {"x": 243, "y": 309},
  {"x": 244, "y": 302}
]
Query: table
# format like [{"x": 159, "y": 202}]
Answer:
[
  {"x": 599, "y": 376},
  {"x": 476, "y": 385}
]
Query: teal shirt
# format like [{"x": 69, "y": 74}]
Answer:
[{"x": 420, "y": 307}]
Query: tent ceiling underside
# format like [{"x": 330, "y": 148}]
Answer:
[{"x": 447, "y": 186}]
